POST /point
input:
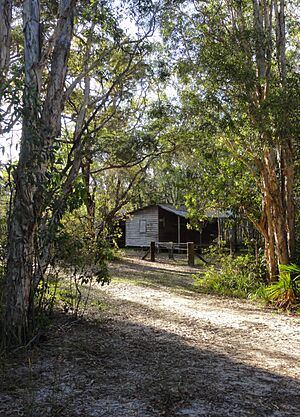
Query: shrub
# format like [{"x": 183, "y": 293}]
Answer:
[
  {"x": 285, "y": 293},
  {"x": 78, "y": 259},
  {"x": 236, "y": 276}
]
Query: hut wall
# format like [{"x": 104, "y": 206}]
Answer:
[
  {"x": 168, "y": 226},
  {"x": 156, "y": 224},
  {"x": 142, "y": 227}
]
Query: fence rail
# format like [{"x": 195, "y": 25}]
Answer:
[
  {"x": 189, "y": 248},
  {"x": 182, "y": 247}
]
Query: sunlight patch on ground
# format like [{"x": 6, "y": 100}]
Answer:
[{"x": 258, "y": 338}]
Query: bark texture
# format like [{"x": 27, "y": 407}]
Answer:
[
  {"x": 5, "y": 34},
  {"x": 5, "y": 41},
  {"x": 23, "y": 219},
  {"x": 41, "y": 125},
  {"x": 276, "y": 166}
]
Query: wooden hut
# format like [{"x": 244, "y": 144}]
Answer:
[{"x": 166, "y": 223}]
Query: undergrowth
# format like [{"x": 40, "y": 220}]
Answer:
[
  {"x": 238, "y": 276},
  {"x": 244, "y": 277},
  {"x": 285, "y": 293}
]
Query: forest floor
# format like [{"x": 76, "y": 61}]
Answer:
[{"x": 149, "y": 346}]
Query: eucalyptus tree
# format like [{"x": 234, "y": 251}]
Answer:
[
  {"x": 5, "y": 48},
  {"x": 237, "y": 61},
  {"x": 5, "y": 35},
  {"x": 42, "y": 108},
  {"x": 78, "y": 64}
]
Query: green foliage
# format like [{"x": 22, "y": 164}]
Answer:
[
  {"x": 226, "y": 131},
  {"x": 78, "y": 260},
  {"x": 78, "y": 250},
  {"x": 285, "y": 293},
  {"x": 236, "y": 276}
]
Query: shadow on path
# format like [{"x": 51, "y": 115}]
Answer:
[
  {"x": 151, "y": 274},
  {"x": 120, "y": 368}
]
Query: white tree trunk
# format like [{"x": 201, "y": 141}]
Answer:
[
  {"x": 40, "y": 127},
  {"x": 23, "y": 222},
  {"x": 5, "y": 34}
]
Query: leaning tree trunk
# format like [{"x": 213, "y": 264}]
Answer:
[
  {"x": 288, "y": 174},
  {"x": 276, "y": 196},
  {"x": 278, "y": 205},
  {"x": 270, "y": 256},
  {"x": 40, "y": 127},
  {"x": 267, "y": 231},
  {"x": 276, "y": 164}
]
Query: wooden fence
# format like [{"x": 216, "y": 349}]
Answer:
[{"x": 172, "y": 247}]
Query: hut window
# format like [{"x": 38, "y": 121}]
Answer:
[{"x": 143, "y": 224}]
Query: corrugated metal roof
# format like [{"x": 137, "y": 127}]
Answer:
[{"x": 182, "y": 211}]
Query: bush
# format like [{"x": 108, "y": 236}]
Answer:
[
  {"x": 236, "y": 276},
  {"x": 285, "y": 293},
  {"x": 78, "y": 259}
]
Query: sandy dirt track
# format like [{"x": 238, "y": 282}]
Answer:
[{"x": 159, "y": 349}]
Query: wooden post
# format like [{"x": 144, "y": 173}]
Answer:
[
  {"x": 152, "y": 251},
  {"x": 171, "y": 250},
  {"x": 191, "y": 253}
]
